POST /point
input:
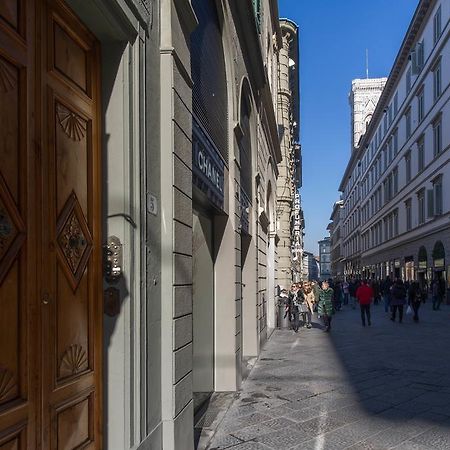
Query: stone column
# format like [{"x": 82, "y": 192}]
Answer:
[{"x": 284, "y": 184}]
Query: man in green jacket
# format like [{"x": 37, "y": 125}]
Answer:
[{"x": 325, "y": 306}]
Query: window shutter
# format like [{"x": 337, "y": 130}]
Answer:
[
  {"x": 430, "y": 195},
  {"x": 438, "y": 205},
  {"x": 420, "y": 55},
  {"x": 414, "y": 62}
]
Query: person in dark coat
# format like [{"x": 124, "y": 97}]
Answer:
[
  {"x": 293, "y": 305},
  {"x": 337, "y": 298},
  {"x": 352, "y": 291},
  {"x": 415, "y": 297},
  {"x": 398, "y": 299},
  {"x": 438, "y": 292},
  {"x": 376, "y": 291},
  {"x": 386, "y": 292}
]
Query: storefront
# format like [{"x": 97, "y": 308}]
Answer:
[
  {"x": 208, "y": 201},
  {"x": 409, "y": 268},
  {"x": 439, "y": 260},
  {"x": 397, "y": 269},
  {"x": 422, "y": 267}
]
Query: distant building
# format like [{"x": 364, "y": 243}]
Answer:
[
  {"x": 337, "y": 265},
  {"x": 325, "y": 258},
  {"x": 363, "y": 98},
  {"x": 310, "y": 267}
]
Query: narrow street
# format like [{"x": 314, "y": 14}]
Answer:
[{"x": 380, "y": 387}]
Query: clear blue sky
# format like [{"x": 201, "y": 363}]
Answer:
[{"x": 334, "y": 35}]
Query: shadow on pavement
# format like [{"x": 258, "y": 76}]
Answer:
[{"x": 379, "y": 387}]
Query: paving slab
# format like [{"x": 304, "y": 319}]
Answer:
[{"x": 380, "y": 387}]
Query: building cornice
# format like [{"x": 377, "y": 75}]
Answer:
[
  {"x": 275, "y": 22},
  {"x": 397, "y": 69}
]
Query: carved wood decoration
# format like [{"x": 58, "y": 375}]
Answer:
[
  {"x": 73, "y": 125},
  {"x": 12, "y": 230},
  {"x": 74, "y": 240},
  {"x": 73, "y": 361},
  {"x": 7, "y": 384},
  {"x": 8, "y": 77}
]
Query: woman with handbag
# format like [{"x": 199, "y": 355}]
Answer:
[{"x": 306, "y": 307}]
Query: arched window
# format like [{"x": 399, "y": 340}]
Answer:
[
  {"x": 245, "y": 143},
  {"x": 209, "y": 94},
  {"x": 438, "y": 255},
  {"x": 423, "y": 258}
]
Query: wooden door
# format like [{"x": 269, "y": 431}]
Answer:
[
  {"x": 18, "y": 332},
  {"x": 71, "y": 241},
  {"x": 50, "y": 251}
]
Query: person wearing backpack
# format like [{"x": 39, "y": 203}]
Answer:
[
  {"x": 415, "y": 297},
  {"x": 398, "y": 299}
]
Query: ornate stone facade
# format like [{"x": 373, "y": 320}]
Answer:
[{"x": 363, "y": 98}]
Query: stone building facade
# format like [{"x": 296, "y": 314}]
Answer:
[
  {"x": 363, "y": 99},
  {"x": 337, "y": 257},
  {"x": 325, "y": 258},
  {"x": 398, "y": 177},
  {"x": 290, "y": 221},
  {"x": 310, "y": 267}
]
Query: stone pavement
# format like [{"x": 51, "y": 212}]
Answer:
[{"x": 380, "y": 387}]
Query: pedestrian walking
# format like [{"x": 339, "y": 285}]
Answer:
[
  {"x": 294, "y": 313},
  {"x": 352, "y": 291},
  {"x": 337, "y": 300},
  {"x": 325, "y": 307},
  {"x": 364, "y": 295},
  {"x": 415, "y": 297},
  {"x": 376, "y": 291},
  {"x": 386, "y": 292},
  {"x": 345, "y": 292},
  {"x": 316, "y": 291},
  {"x": 308, "y": 305},
  {"x": 438, "y": 292},
  {"x": 398, "y": 299}
]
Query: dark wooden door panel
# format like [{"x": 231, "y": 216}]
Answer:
[
  {"x": 50, "y": 235},
  {"x": 17, "y": 248},
  {"x": 71, "y": 321}
]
